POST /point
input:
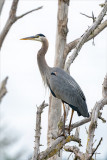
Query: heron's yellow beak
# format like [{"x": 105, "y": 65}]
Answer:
[{"x": 28, "y": 38}]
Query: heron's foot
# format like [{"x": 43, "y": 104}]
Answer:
[{"x": 62, "y": 134}]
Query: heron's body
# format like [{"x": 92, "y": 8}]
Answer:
[
  {"x": 64, "y": 87},
  {"x": 61, "y": 84}
]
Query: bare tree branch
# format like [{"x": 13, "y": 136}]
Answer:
[
  {"x": 38, "y": 128},
  {"x": 75, "y": 150},
  {"x": 94, "y": 118},
  {"x": 3, "y": 89},
  {"x": 73, "y": 44},
  {"x": 100, "y": 117},
  {"x": 104, "y": 89},
  {"x": 84, "y": 38},
  {"x": 1, "y": 5},
  {"x": 56, "y": 146},
  {"x": 61, "y": 141},
  {"x": 18, "y": 17},
  {"x": 98, "y": 106},
  {"x": 92, "y": 17},
  {"x": 80, "y": 123},
  {"x": 96, "y": 148},
  {"x": 12, "y": 19}
]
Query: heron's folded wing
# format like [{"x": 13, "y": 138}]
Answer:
[{"x": 66, "y": 89}]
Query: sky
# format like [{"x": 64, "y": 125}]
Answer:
[{"x": 25, "y": 88}]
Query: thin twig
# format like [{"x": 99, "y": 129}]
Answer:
[
  {"x": 84, "y": 38},
  {"x": 100, "y": 117},
  {"x": 12, "y": 19},
  {"x": 85, "y": 15},
  {"x": 3, "y": 89},
  {"x": 70, "y": 46},
  {"x": 96, "y": 148},
  {"x": 18, "y": 17}
]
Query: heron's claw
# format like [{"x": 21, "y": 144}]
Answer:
[{"x": 62, "y": 134}]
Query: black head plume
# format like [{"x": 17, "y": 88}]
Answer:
[{"x": 41, "y": 35}]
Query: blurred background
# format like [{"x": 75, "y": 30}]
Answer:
[{"x": 25, "y": 87}]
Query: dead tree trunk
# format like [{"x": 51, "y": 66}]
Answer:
[{"x": 55, "y": 104}]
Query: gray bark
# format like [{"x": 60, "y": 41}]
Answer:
[
  {"x": 38, "y": 130},
  {"x": 3, "y": 89},
  {"x": 54, "y": 113},
  {"x": 12, "y": 19},
  {"x": 84, "y": 38},
  {"x": 1, "y": 5}
]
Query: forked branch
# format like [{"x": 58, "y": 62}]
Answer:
[
  {"x": 70, "y": 46},
  {"x": 85, "y": 37},
  {"x": 61, "y": 141},
  {"x": 12, "y": 19},
  {"x": 93, "y": 125}
]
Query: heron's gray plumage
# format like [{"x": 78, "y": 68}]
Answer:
[
  {"x": 61, "y": 84},
  {"x": 66, "y": 88}
]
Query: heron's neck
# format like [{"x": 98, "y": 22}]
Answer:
[{"x": 43, "y": 67}]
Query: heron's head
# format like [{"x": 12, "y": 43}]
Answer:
[{"x": 38, "y": 37}]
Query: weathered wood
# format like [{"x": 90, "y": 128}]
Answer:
[
  {"x": 12, "y": 19},
  {"x": 1, "y": 5},
  {"x": 84, "y": 38},
  {"x": 38, "y": 130},
  {"x": 3, "y": 89},
  {"x": 93, "y": 125},
  {"x": 55, "y": 104},
  {"x": 70, "y": 46}
]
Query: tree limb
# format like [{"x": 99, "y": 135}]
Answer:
[
  {"x": 61, "y": 34},
  {"x": 84, "y": 38},
  {"x": 12, "y": 19},
  {"x": 56, "y": 146},
  {"x": 88, "y": 16},
  {"x": 37, "y": 130},
  {"x": 104, "y": 87},
  {"x": 1, "y": 5},
  {"x": 18, "y": 17},
  {"x": 61, "y": 141},
  {"x": 96, "y": 148},
  {"x": 3, "y": 89},
  {"x": 80, "y": 123},
  {"x": 75, "y": 150},
  {"x": 73, "y": 44},
  {"x": 94, "y": 118}
]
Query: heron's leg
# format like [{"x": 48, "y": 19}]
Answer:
[
  {"x": 64, "y": 118},
  {"x": 72, "y": 112}
]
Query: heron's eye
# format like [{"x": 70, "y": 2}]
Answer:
[{"x": 37, "y": 36}]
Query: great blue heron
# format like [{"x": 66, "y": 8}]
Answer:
[{"x": 60, "y": 83}]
